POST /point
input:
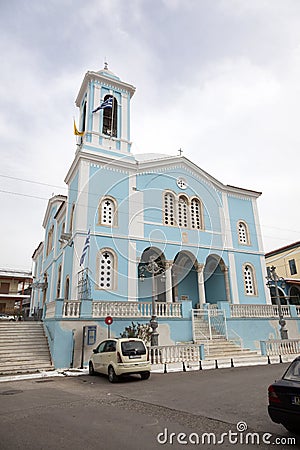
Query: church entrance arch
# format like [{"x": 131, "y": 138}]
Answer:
[
  {"x": 150, "y": 283},
  {"x": 215, "y": 273},
  {"x": 185, "y": 278}
]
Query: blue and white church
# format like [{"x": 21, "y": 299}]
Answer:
[{"x": 158, "y": 232}]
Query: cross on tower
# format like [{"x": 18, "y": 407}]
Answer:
[{"x": 180, "y": 151}]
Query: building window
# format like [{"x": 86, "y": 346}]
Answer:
[
  {"x": 196, "y": 214},
  {"x": 243, "y": 233},
  {"x": 107, "y": 212},
  {"x": 293, "y": 268},
  {"x": 106, "y": 262},
  {"x": 72, "y": 219},
  {"x": 67, "y": 288},
  {"x": 50, "y": 240},
  {"x": 249, "y": 280},
  {"x": 62, "y": 232},
  {"x": 58, "y": 282},
  {"x": 169, "y": 209},
  {"x": 183, "y": 208},
  {"x": 110, "y": 118},
  {"x": 4, "y": 288}
]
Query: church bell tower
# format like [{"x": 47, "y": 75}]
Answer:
[{"x": 104, "y": 104}]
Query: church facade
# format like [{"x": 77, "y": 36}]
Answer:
[{"x": 138, "y": 228}]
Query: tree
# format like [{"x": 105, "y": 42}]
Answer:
[{"x": 137, "y": 330}]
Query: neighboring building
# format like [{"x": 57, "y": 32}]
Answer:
[
  {"x": 203, "y": 236},
  {"x": 15, "y": 286},
  {"x": 287, "y": 262}
]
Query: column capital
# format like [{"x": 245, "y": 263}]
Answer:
[
  {"x": 168, "y": 264},
  {"x": 199, "y": 267}
]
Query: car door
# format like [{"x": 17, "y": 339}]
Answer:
[
  {"x": 109, "y": 355},
  {"x": 99, "y": 357}
]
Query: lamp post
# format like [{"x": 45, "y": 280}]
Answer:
[
  {"x": 273, "y": 281},
  {"x": 154, "y": 269}
]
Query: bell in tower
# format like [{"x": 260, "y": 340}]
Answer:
[{"x": 104, "y": 103}]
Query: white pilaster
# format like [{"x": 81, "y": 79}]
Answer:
[
  {"x": 132, "y": 272},
  {"x": 233, "y": 278},
  {"x": 168, "y": 275},
  {"x": 225, "y": 222},
  {"x": 201, "y": 288},
  {"x": 257, "y": 226}
]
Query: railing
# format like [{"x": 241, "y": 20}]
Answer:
[
  {"x": 135, "y": 309},
  {"x": 275, "y": 347},
  {"x": 213, "y": 322},
  {"x": 50, "y": 310},
  {"x": 71, "y": 308},
  {"x": 235, "y": 338},
  {"x": 259, "y": 311},
  {"x": 165, "y": 354}
]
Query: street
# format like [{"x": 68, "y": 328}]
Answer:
[{"x": 88, "y": 412}]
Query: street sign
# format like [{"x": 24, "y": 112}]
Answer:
[{"x": 108, "y": 320}]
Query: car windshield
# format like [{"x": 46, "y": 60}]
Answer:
[
  {"x": 133, "y": 348},
  {"x": 293, "y": 372}
]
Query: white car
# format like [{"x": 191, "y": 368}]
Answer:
[
  {"x": 9, "y": 317},
  {"x": 117, "y": 357}
]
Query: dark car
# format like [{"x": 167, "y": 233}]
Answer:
[{"x": 284, "y": 398}]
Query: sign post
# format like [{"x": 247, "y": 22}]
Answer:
[{"x": 108, "y": 321}]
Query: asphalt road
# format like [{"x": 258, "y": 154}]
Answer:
[{"x": 90, "y": 413}]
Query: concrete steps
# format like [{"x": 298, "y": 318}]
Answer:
[
  {"x": 23, "y": 348},
  {"x": 219, "y": 346}
]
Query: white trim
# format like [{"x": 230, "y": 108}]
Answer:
[
  {"x": 257, "y": 226},
  {"x": 135, "y": 209},
  {"x": 132, "y": 282},
  {"x": 225, "y": 222},
  {"x": 233, "y": 279}
]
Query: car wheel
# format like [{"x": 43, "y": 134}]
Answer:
[
  {"x": 112, "y": 377},
  {"x": 145, "y": 375},
  {"x": 91, "y": 368}
]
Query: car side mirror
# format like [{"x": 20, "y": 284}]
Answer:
[{"x": 95, "y": 350}]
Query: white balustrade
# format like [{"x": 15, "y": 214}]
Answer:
[
  {"x": 71, "y": 308},
  {"x": 135, "y": 309},
  {"x": 282, "y": 347},
  {"x": 165, "y": 354},
  {"x": 259, "y": 311}
]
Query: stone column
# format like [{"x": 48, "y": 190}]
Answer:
[
  {"x": 168, "y": 273},
  {"x": 227, "y": 285},
  {"x": 201, "y": 289}
]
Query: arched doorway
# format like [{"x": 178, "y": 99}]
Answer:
[
  {"x": 214, "y": 280},
  {"x": 185, "y": 278},
  {"x": 282, "y": 297},
  {"x": 294, "y": 295},
  {"x": 150, "y": 283}
]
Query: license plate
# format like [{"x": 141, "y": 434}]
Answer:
[
  {"x": 296, "y": 401},
  {"x": 134, "y": 357}
]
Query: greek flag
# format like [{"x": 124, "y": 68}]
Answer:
[
  {"x": 108, "y": 103},
  {"x": 85, "y": 247}
]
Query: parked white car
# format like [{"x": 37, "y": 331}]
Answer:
[{"x": 117, "y": 357}]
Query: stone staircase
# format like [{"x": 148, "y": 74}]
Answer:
[
  {"x": 216, "y": 345},
  {"x": 23, "y": 348}
]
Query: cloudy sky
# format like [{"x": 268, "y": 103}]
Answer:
[{"x": 218, "y": 78}]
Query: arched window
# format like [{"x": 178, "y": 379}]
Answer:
[
  {"x": 169, "y": 209},
  {"x": 243, "y": 233},
  {"x": 183, "y": 208},
  {"x": 107, "y": 212},
  {"x": 106, "y": 269},
  {"x": 196, "y": 214},
  {"x": 50, "y": 240},
  {"x": 110, "y": 118},
  {"x": 58, "y": 282},
  {"x": 249, "y": 279},
  {"x": 62, "y": 232},
  {"x": 67, "y": 288}
]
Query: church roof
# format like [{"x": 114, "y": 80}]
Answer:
[{"x": 108, "y": 73}]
